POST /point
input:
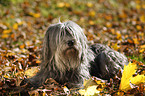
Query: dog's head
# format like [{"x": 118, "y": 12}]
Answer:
[{"x": 65, "y": 43}]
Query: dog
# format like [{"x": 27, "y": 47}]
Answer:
[{"x": 67, "y": 58}]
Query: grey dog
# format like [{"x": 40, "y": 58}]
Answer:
[{"x": 67, "y": 58}]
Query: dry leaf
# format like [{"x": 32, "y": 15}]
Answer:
[
  {"x": 127, "y": 77},
  {"x": 31, "y": 72}
]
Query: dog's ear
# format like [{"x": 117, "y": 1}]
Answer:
[{"x": 46, "y": 51}]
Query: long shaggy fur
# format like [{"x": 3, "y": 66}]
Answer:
[{"x": 67, "y": 58}]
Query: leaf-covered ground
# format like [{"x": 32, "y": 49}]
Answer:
[{"x": 119, "y": 24}]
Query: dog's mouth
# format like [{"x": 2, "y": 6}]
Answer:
[{"x": 71, "y": 52}]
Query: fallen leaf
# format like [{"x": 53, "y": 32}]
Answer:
[
  {"x": 15, "y": 26},
  {"x": 61, "y": 4},
  {"x": 92, "y": 13},
  {"x": 91, "y": 90},
  {"x": 7, "y": 31},
  {"x": 127, "y": 77},
  {"x": 31, "y": 72},
  {"x": 89, "y": 4}
]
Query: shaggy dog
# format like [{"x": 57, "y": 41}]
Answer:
[{"x": 68, "y": 59}]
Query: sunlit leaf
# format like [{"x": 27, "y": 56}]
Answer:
[
  {"x": 138, "y": 6},
  {"x": 89, "y": 4},
  {"x": 15, "y": 26},
  {"x": 142, "y": 46},
  {"x": 92, "y": 13},
  {"x": 135, "y": 40},
  {"x": 7, "y": 31},
  {"x": 138, "y": 79},
  {"x": 118, "y": 36},
  {"x": 91, "y": 22},
  {"x": 67, "y": 5},
  {"x": 6, "y": 76},
  {"x": 115, "y": 46},
  {"x": 5, "y": 36},
  {"x": 91, "y": 90},
  {"x": 141, "y": 50},
  {"x": 61, "y": 4},
  {"x": 31, "y": 72},
  {"x": 127, "y": 77},
  {"x": 142, "y": 18},
  {"x": 36, "y": 15},
  {"x": 138, "y": 27},
  {"x": 128, "y": 71},
  {"x": 108, "y": 24}
]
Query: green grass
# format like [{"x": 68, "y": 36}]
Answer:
[{"x": 139, "y": 58}]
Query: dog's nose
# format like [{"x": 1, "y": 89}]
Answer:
[{"x": 70, "y": 43}]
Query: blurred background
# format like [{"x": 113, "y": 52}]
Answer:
[{"x": 117, "y": 23}]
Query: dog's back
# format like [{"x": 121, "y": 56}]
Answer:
[{"x": 107, "y": 61}]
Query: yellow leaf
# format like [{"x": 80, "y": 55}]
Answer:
[
  {"x": 135, "y": 41},
  {"x": 138, "y": 79},
  {"x": 141, "y": 50},
  {"x": 113, "y": 31},
  {"x": 15, "y": 26},
  {"x": 127, "y": 77},
  {"x": 108, "y": 24},
  {"x": 44, "y": 94},
  {"x": 89, "y": 4},
  {"x": 90, "y": 91},
  {"x": 138, "y": 27},
  {"x": 36, "y": 15},
  {"x": 138, "y": 6},
  {"x": 118, "y": 35},
  {"x": 31, "y": 72},
  {"x": 10, "y": 54},
  {"x": 129, "y": 70},
  {"x": 115, "y": 46},
  {"x": 7, "y": 31},
  {"x": 5, "y": 36},
  {"x": 92, "y": 13},
  {"x": 61, "y": 4},
  {"x": 143, "y": 6},
  {"x": 91, "y": 22},
  {"x": 6, "y": 76},
  {"x": 142, "y": 18},
  {"x": 67, "y": 5},
  {"x": 142, "y": 46}
]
